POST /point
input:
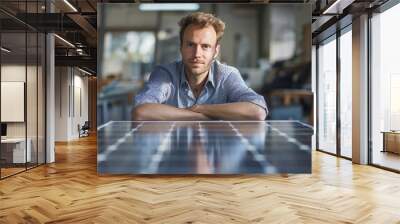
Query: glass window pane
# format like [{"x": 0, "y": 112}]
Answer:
[
  {"x": 41, "y": 99},
  {"x": 346, "y": 94},
  {"x": 385, "y": 88},
  {"x": 22, "y": 81},
  {"x": 327, "y": 97},
  {"x": 13, "y": 85},
  {"x": 31, "y": 97}
]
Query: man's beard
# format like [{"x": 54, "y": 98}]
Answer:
[{"x": 203, "y": 68}]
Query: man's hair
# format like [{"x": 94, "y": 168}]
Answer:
[{"x": 203, "y": 20}]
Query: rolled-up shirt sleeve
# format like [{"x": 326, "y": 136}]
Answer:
[
  {"x": 237, "y": 91},
  {"x": 156, "y": 90}
]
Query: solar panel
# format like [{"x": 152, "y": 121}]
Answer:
[{"x": 204, "y": 147}]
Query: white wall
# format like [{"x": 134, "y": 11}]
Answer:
[
  {"x": 80, "y": 100},
  {"x": 61, "y": 103},
  {"x": 13, "y": 73},
  {"x": 71, "y": 93}
]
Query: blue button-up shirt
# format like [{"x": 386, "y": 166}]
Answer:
[{"x": 168, "y": 85}]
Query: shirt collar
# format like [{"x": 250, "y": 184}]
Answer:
[{"x": 210, "y": 77}]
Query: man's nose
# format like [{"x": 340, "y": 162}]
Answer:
[{"x": 197, "y": 51}]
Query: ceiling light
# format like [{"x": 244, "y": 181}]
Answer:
[
  {"x": 5, "y": 50},
  {"x": 331, "y": 7},
  {"x": 337, "y": 7},
  {"x": 70, "y": 5},
  {"x": 65, "y": 41},
  {"x": 169, "y": 7},
  {"x": 84, "y": 71}
]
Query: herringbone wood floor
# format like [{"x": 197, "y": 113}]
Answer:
[{"x": 70, "y": 191}]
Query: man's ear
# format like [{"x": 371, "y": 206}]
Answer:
[{"x": 217, "y": 49}]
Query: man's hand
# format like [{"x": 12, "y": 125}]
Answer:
[
  {"x": 231, "y": 111},
  {"x": 162, "y": 112},
  {"x": 201, "y": 108},
  {"x": 195, "y": 108}
]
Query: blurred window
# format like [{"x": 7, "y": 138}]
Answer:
[{"x": 129, "y": 55}]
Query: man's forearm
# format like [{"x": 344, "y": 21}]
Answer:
[
  {"x": 162, "y": 112},
  {"x": 231, "y": 111}
]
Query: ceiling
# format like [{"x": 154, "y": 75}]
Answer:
[{"x": 76, "y": 23}]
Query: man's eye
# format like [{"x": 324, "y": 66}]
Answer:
[{"x": 206, "y": 46}]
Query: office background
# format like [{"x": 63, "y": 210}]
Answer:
[{"x": 269, "y": 44}]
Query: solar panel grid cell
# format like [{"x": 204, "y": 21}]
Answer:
[{"x": 217, "y": 147}]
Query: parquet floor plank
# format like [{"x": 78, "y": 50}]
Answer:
[{"x": 70, "y": 191}]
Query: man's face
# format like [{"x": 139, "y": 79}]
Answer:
[{"x": 199, "y": 47}]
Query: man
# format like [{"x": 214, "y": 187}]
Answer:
[{"x": 198, "y": 87}]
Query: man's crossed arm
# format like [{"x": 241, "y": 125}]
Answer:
[{"x": 226, "y": 111}]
